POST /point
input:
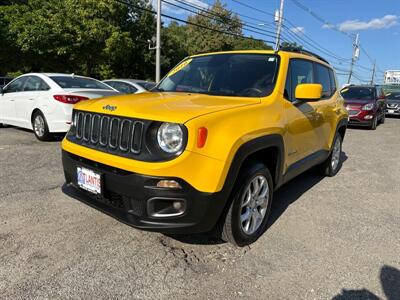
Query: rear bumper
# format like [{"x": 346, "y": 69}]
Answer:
[{"x": 129, "y": 197}]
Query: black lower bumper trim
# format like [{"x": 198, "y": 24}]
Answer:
[{"x": 125, "y": 197}]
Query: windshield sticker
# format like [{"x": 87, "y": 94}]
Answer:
[
  {"x": 271, "y": 59},
  {"x": 179, "y": 67}
]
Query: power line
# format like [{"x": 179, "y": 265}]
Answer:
[
  {"x": 221, "y": 19},
  {"x": 254, "y": 8},
  {"x": 265, "y": 23},
  {"x": 327, "y": 24},
  {"x": 192, "y": 23}
]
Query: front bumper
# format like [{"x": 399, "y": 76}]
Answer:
[
  {"x": 359, "y": 122},
  {"x": 392, "y": 112},
  {"x": 127, "y": 197}
]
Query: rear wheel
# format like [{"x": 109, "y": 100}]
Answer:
[
  {"x": 40, "y": 128},
  {"x": 332, "y": 165},
  {"x": 246, "y": 219}
]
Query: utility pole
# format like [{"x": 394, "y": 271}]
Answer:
[
  {"x": 356, "y": 53},
  {"x": 158, "y": 42},
  {"x": 373, "y": 73},
  {"x": 279, "y": 20}
]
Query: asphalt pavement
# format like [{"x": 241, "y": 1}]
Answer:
[{"x": 329, "y": 238}]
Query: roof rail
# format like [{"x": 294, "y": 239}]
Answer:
[{"x": 302, "y": 51}]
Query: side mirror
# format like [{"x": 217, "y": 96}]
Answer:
[{"x": 308, "y": 92}]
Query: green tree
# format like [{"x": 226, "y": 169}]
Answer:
[
  {"x": 98, "y": 38},
  {"x": 291, "y": 46}
]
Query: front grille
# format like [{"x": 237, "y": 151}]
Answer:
[
  {"x": 394, "y": 105},
  {"x": 353, "y": 112},
  {"x": 112, "y": 134}
]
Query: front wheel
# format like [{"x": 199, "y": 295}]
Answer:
[
  {"x": 246, "y": 219},
  {"x": 383, "y": 118},
  {"x": 40, "y": 127},
  {"x": 374, "y": 123},
  {"x": 332, "y": 165}
]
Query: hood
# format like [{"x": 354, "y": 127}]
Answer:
[
  {"x": 92, "y": 93},
  {"x": 170, "y": 107},
  {"x": 393, "y": 101},
  {"x": 357, "y": 102}
]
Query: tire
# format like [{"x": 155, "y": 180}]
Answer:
[
  {"x": 1, "y": 125},
  {"x": 251, "y": 228},
  {"x": 383, "y": 118},
  {"x": 334, "y": 162},
  {"x": 40, "y": 127},
  {"x": 374, "y": 123}
]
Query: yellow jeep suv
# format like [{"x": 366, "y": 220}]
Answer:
[{"x": 207, "y": 148}]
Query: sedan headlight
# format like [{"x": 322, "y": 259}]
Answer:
[
  {"x": 170, "y": 137},
  {"x": 369, "y": 106}
]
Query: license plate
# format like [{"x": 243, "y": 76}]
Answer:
[
  {"x": 391, "y": 111},
  {"x": 89, "y": 180}
]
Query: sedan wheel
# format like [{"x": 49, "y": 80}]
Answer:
[{"x": 40, "y": 128}]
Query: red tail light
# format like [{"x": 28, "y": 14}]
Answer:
[{"x": 69, "y": 99}]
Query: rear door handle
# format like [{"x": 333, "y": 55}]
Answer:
[{"x": 12, "y": 100}]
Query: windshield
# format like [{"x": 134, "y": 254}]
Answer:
[
  {"x": 393, "y": 96},
  {"x": 70, "y": 82},
  {"x": 245, "y": 75},
  {"x": 359, "y": 93}
]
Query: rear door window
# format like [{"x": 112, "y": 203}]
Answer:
[
  {"x": 302, "y": 71},
  {"x": 333, "y": 81},
  {"x": 34, "y": 83},
  {"x": 323, "y": 78}
]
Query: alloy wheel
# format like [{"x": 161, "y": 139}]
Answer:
[
  {"x": 336, "y": 152},
  {"x": 39, "y": 125},
  {"x": 254, "y": 204}
]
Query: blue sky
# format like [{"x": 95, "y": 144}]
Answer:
[{"x": 377, "y": 22}]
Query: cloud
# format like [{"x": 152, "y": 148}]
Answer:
[
  {"x": 298, "y": 30},
  {"x": 167, "y": 8},
  {"x": 377, "y": 23},
  {"x": 328, "y": 26}
]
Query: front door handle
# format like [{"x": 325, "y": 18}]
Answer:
[{"x": 12, "y": 100}]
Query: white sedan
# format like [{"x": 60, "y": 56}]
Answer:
[{"x": 43, "y": 102}]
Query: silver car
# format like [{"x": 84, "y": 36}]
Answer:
[{"x": 130, "y": 86}]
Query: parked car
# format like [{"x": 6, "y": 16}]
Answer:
[
  {"x": 207, "y": 152},
  {"x": 130, "y": 86},
  {"x": 43, "y": 101},
  {"x": 393, "y": 104},
  {"x": 366, "y": 105},
  {"x": 4, "y": 81}
]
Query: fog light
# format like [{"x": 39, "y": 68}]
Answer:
[
  {"x": 166, "y": 207},
  {"x": 170, "y": 184},
  {"x": 368, "y": 117},
  {"x": 178, "y": 205}
]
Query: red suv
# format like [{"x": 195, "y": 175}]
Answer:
[{"x": 365, "y": 104}]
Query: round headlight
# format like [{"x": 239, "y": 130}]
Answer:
[{"x": 170, "y": 137}]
